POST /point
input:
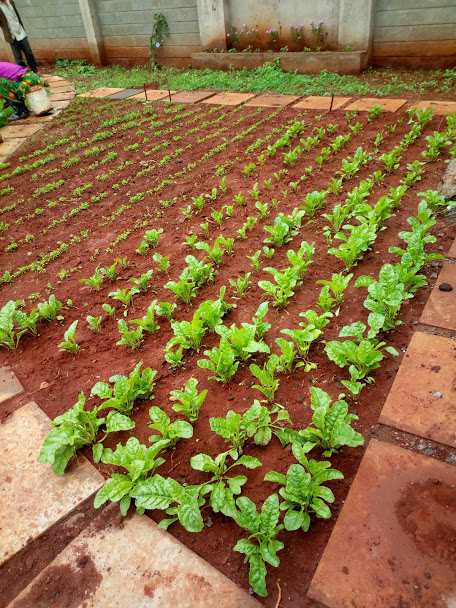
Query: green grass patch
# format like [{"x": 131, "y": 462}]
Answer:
[{"x": 268, "y": 78}]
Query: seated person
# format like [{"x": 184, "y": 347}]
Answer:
[{"x": 15, "y": 82}]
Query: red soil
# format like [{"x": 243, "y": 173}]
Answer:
[{"x": 54, "y": 379}]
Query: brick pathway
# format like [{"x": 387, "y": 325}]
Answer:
[{"x": 16, "y": 133}]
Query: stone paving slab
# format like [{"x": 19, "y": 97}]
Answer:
[
  {"x": 439, "y": 107},
  {"x": 191, "y": 96},
  {"x": 314, "y": 102},
  {"x": 101, "y": 92},
  {"x": 422, "y": 399},
  {"x": 452, "y": 251},
  {"x": 9, "y": 147},
  {"x": 440, "y": 309},
  {"x": 51, "y": 78},
  {"x": 9, "y": 384},
  {"x": 394, "y": 541},
  {"x": 125, "y": 93},
  {"x": 64, "y": 87},
  {"x": 32, "y": 497},
  {"x": 366, "y": 103},
  {"x": 18, "y": 129},
  {"x": 60, "y": 95},
  {"x": 229, "y": 99},
  {"x": 153, "y": 95},
  {"x": 272, "y": 101},
  {"x": 60, "y": 105},
  {"x": 135, "y": 565}
]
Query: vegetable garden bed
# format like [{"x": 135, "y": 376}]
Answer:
[{"x": 104, "y": 214}]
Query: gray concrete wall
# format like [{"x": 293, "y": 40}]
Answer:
[
  {"x": 126, "y": 26},
  {"x": 415, "y": 32},
  {"x": 55, "y": 27}
]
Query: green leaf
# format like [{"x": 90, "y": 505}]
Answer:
[
  {"x": 153, "y": 493},
  {"x": 276, "y": 477},
  {"x": 235, "y": 483},
  {"x": 97, "y": 451},
  {"x": 116, "y": 422},
  {"x": 257, "y": 574},
  {"x": 114, "y": 489},
  {"x": 293, "y": 520},
  {"x": 203, "y": 462},
  {"x": 190, "y": 516},
  {"x": 249, "y": 462},
  {"x": 321, "y": 509}
]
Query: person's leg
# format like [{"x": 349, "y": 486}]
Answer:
[
  {"x": 17, "y": 52},
  {"x": 29, "y": 56}
]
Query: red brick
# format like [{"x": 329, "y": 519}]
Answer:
[
  {"x": 439, "y": 107},
  {"x": 191, "y": 96},
  {"x": 314, "y": 102},
  {"x": 272, "y": 101},
  {"x": 440, "y": 309},
  {"x": 394, "y": 544},
  {"x": 422, "y": 399},
  {"x": 366, "y": 103},
  {"x": 229, "y": 99}
]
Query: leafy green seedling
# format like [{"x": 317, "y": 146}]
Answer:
[
  {"x": 94, "y": 323},
  {"x": 172, "y": 432},
  {"x": 261, "y": 546},
  {"x": 69, "y": 343},
  {"x": 303, "y": 490},
  {"x": 188, "y": 400}
]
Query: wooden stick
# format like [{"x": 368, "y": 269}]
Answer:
[{"x": 279, "y": 596}]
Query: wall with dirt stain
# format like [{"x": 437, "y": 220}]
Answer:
[
  {"x": 126, "y": 27},
  {"x": 417, "y": 33}
]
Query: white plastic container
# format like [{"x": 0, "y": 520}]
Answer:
[{"x": 37, "y": 101}]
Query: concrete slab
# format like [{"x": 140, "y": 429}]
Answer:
[
  {"x": 60, "y": 105},
  {"x": 452, "y": 251},
  {"x": 61, "y": 88},
  {"x": 134, "y": 565},
  {"x": 9, "y": 384},
  {"x": 50, "y": 78},
  {"x": 153, "y": 95},
  {"x": 394, "y": 541},
  {"x": 229, "y": 99},
  {"x": 366, "y": 103},
  {"x": 439, "y": 107},
  {"x": 314, "y": 102},
  {"x": 9, "y": 147},
  {"x": 101, "y": 92},
  {"x": 32, "y": 120},
  {"x": 422, "y": 399},
  {"x": 60, "y": 96},
  {"x": 272, "y": 101},
  {"x": 440, "y": 309},
  {"x": 191, "y": 96},
  {"x": 32, "y": 497},
  {"x": 18, "y": 130},
  {"x": 125, "y": 93}
]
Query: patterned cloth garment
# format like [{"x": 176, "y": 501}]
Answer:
[{"x": 17, "y": 90}]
